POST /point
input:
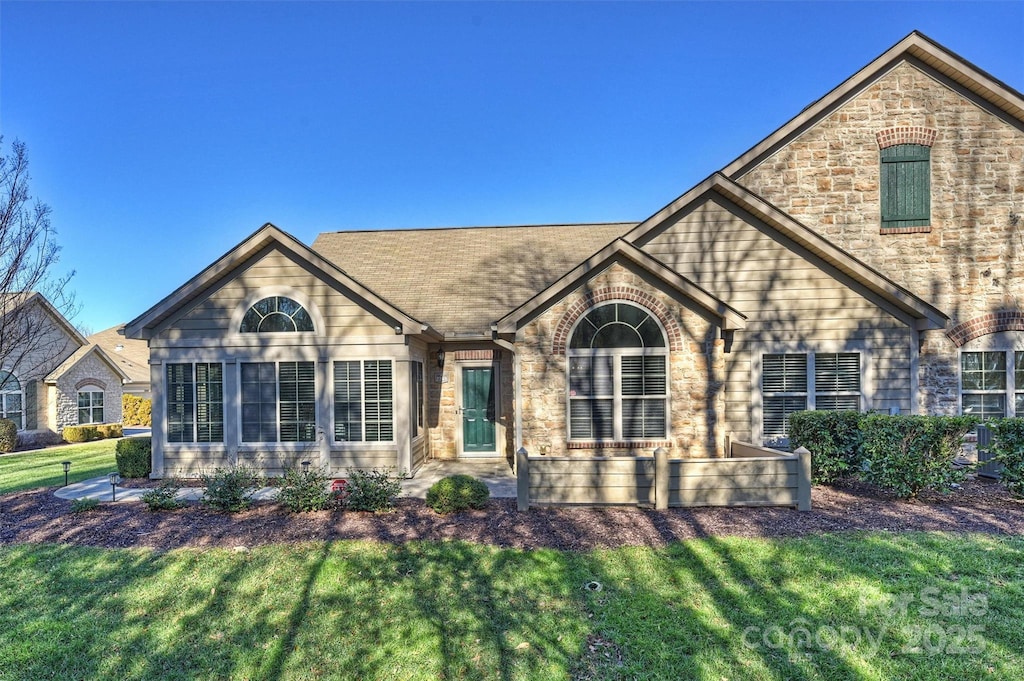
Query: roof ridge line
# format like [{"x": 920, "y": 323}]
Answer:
[{"x": 612, "y": 223}]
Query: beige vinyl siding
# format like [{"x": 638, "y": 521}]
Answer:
[
  {"x": 342, "y": 461},
  {"x": 191, "y": 461},
  {"x": 345, "y": 330},
  {"x": 343, "y": 317},
  {"x": 787, "y": 298},
  {"x": 419, "y": 451}
]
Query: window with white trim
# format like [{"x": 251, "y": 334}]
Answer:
[
  {"x": 195, "y": 402},
  {"x": 364, "y": 401},
  {"x": 12, "y": 400},
  {"x": 787, "y": 380},
  {"x": 618, "y": 375},
  {"x": 90, "y": 406},
  {"x": 278, "y": 401},
  {"x": 992, "y": 383}
]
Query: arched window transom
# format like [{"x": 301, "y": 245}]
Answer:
[
  {"x": 276, "y": 314},
  {"x": 618, "y": 376},
  {"x": 617, "y": 325}
]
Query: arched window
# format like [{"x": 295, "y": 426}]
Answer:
[
  {"x": 11, "y": 399},
  {"x": 618, "y": 375},
  {"x": 276, "y": 314}
]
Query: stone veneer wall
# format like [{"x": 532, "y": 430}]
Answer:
[
  {"x": 696, "y": 366},
  {"x": 967, "y": 263},
  {"x": 94, "y": 372}
]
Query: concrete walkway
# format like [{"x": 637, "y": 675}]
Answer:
[
  {"x": 99, "y": 489},
  {"x": 497, "y": 476}
]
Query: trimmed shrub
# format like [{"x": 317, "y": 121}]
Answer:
[
  {"x": 372, "y": 490},
  {"x": 110, "y": 430},
  {"x": 231, "y": 489},
  {"x": 8, "y": 435},
  {"x": 136, "y": 411},
  {"x": 37, "y": 439},
  {"x": 84, "y": 505},
  {"x": 457, "y": 493},
  {"x": 80, "y": 433},
  {"x": 164, "y": 497},
  {"x": 302, "y": 492},
  {"x": 834, "y": 440},
  {"x": 134, "y": 457},
  {"x": 1008, "y": 449},
  {"x": 909, "y": 454}
]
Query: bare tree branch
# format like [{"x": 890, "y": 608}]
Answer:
[{"x": 29, "y": 344}]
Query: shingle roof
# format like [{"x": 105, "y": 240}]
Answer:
[
  {"x": 132, "y": 357},
  {"x": 460, "y": 280}
]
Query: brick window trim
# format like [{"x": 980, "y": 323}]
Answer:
[
  {"x": 610, "y": 294},
  {"x": 890, "y": 137},
  {"x": 922, "y": 229},
  {"x": 994, "y": 322},
  {"x": 619, "y": 444}
]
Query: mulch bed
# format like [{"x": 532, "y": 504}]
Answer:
[{"x": 38, "y": 516}]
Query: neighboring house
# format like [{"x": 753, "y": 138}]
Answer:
[
  {"x": 864, "y": 256},
  {"x": 51, "y": 376},
  {"x": 132, "y": 356}
]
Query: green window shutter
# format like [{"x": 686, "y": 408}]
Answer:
[{"x": 906, "y": 186}]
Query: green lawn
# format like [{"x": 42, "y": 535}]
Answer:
[
  {"x": 874, "y": 606},
  {"x": 41, "y": 468}
]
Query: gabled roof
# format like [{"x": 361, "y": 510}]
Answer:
[
  {"x": 917, "y": 49},
  {"x": 131, "y": 355},
  {"x": 142, "y": 326},
  {"x": 9, "y": 302},
  {"x": 459, "y": 280},
  {"x": 927, "y": 316},
  {"x": 79, "y": 355},
  {"x": 729, "y": 317}
]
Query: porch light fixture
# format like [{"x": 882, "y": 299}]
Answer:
[
  {"x": 305, "y": 467},
  {"x": 67, "y": 467},
  {"x": 440, "y": 358},
  {"x": 114, "y": 479}
]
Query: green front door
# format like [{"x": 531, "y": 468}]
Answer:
[{"x": 478, "y": 410}]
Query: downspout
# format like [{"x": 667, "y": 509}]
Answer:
[{"x": 516, "y": 389}]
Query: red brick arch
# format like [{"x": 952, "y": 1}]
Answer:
[
  {"x": 994, "y": 322},
  {"x": 890, "y": 137},
  {"x": 619, "y": 294}
]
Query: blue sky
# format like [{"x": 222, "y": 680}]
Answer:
[{"x": 162, "y": 134}]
